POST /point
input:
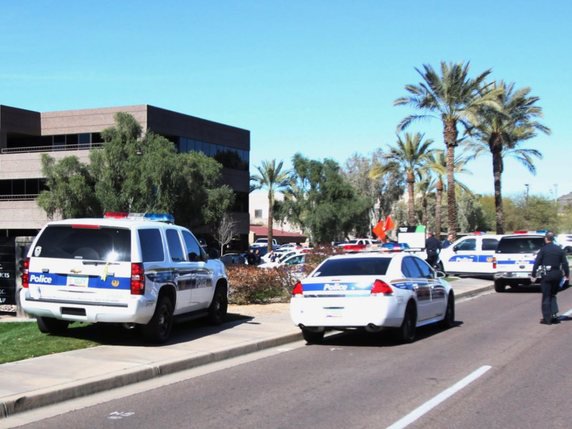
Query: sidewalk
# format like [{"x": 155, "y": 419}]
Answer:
[{"x": 46, "y": 380}]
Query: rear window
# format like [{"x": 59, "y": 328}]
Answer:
[
  {"x": 90, "y": 243},
  {"x": 520, "y": 244},
  {"x": 353, "y": 267}
]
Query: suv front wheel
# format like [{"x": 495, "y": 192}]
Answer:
[{"x": 219, "y": 306}]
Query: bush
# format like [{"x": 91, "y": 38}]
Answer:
[{"x": 253, "y": 285}]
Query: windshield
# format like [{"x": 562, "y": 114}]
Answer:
[
  {"x": 353, "y": 267},
  {"x": 92, "y": 243},
  {"x": 520, "y": 244}
]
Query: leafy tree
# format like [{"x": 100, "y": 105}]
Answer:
[
  {"x": 381, "y": 192},
  {"x": 70, "y": 187},
  {"x": 201, "y": 200},
  {"x": 453, "y": 97},
  {"x": 270, "y": 177},
  {"x": 409, "y": 155},
  {"x": 499, "y": 131},
  {"x": 137, "y": 173},
  {"x": 321, "y": 201}
]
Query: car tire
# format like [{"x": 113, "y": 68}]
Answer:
[
  {"x": 158, "y": 330},
  {"x": 409, "y": 324},
  {"x": 313, "y": 337},
  {"x": 449, "y": 319},
  {"x": 49, "y": 325},
  {"x": 219, "y": 306},
  {"x": 500, "y": 286}
]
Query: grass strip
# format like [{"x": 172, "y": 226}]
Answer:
[{"x": 23, "y": 340}]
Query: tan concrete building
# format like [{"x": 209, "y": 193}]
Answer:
[{"x": 25, "y": 135}]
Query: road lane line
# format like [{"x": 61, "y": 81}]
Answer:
[
  {"x": 568, "y": 313},
  {"x": 444, "y": 395}
]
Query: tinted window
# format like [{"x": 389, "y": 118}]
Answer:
[
  {"x": 151, "y": 245},
  {"x": 192, "y": 244},
  {"x": 77, "y": 242},
  {"x": 424, "y": 268},
  {"x": 520, "y": 244},
  {"x": 469, "y": 244},
  {"x": 410, "y": 268},
  {"x": 490, "y": 243},
  {"x": 353, "y": 267},
  {"x": 175, "y": 248}
]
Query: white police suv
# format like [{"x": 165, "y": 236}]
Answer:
[
  {"x": 470, "y": 256},
  {"x": 139, "y": 270},
  {"x": 371, "y": 291},
  {"x": 514, "y": 259}
]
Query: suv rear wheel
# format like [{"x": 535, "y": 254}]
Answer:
[
  {"x": 158, "y": 330},
  {"x": 49, "y": 325},
  {"x": 500, "y": 286},
  {"x": 219, "y": 306}
]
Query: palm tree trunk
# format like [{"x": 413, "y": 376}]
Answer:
[
  {"x": 438, "y": 202},
  {"x": 496, "y": 149},
  {"x": 450, "y": 135},
  {"x": 411, "y": 202},
  {"x": 270, "y": 218}
]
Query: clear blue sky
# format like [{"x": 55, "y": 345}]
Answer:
[{"x": 316, "y": 77}]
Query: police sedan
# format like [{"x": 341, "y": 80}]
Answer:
[{"x": 371, "y": 291}]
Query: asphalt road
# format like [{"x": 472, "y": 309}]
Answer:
[{"x": 497, "y": 368}]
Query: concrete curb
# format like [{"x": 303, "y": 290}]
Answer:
[
  {"x": 41, "y": 398},
  {"x": 474, "y": 292}
]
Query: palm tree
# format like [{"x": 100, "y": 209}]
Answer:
[
  {"x": 271, "y": 177},
  {"x": 409, "y": 155},
  {"x": 500, "y": 131},
  {"x": 452, "y": 97},
  {"x": 437, "y": 166}
]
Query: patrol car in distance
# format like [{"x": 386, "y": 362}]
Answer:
[
  {"x": 372, "y": 291},
  {"x": 471, "y": 255},
  {"x": 137, "y": 270},
  {"x": 514, "y": 259}
]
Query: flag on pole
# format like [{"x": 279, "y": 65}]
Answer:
[{"x": 382, "y": 227}]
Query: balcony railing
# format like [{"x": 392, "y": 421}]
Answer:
[
  {"x": 19, "y": 197},
  {"x": 51, "y": 148}
]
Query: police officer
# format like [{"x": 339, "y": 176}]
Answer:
[
  {"x": 432, "y": 248},
  {"x": 552, "y": 262}
]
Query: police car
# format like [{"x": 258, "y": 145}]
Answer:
[
  {"x": 139, "y": 270},
  {"x": 470, "y": 256},
  {"x": 371, "y": 291},
  {"x": 514, "y": 259}
]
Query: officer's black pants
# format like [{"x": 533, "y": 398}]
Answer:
[{"x": 549, "y": 287}]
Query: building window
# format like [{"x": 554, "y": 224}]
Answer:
[{"x": 258, "y": 214}]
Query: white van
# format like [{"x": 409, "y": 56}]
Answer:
[
  {"x": 135, "y": 270},
  {"x": 471, "y": 255}
]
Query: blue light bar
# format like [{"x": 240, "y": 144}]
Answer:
[{"x": 160, "y": 217}]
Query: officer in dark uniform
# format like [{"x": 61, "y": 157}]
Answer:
[
  {"x": 551, "y": 261},
  {"x": 432, "y": 248}
]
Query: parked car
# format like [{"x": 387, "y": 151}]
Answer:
[
  {"x": 565, "y": 241},
  {"x": 471, "y": 255},
  {"x": 233, "y": 259},
  {"x": 138, "y": 270},
  {"x": 514, "y": 259},
  {"x": 372, "y": 292}
]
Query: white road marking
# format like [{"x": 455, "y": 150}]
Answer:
[
  {"x": 444, "y": 395},
  {"x": 568, "y": 313}
]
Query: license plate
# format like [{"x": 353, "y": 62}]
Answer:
[
  {"x": 77, "y": 281},
  {"x": 522, "y": 274}
]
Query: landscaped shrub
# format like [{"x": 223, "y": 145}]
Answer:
[{"x": 253, "y": 285}]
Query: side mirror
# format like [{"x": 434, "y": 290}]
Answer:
[{"x": 440, "y": 274}]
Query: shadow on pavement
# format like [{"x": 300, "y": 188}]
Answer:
[
  {"x": 118, "y": 335},
  {"x": 386, "y": 338}
]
